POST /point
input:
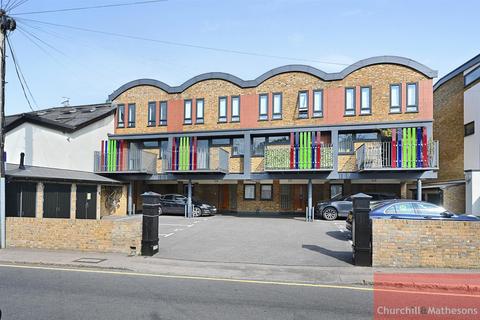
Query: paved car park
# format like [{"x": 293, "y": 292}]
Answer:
[{"x": 276, "y": 240}]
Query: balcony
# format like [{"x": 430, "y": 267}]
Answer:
[
  {"x": 378, "y": 156},
  {"x": 125, "y": 161},
  {"x": 204, "y": 160},
  {"x": 298, "y": 159}
]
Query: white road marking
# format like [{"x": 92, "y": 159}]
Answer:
[
  {"x": 177, "y": 230},
  {"x": 176, "y": 224},
  {"x": 166, "y": 235}
]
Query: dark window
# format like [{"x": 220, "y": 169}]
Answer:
[
  {"x": 163, "y": 149},
  {"x": 86, "y": 202},
  {"x": 56, "y": 200},
  {"x": 266, "y": 192},
  {"x": 395, "y": 98},
  {"x": 187, "y": 112},
  {"x": 222, "y": 109},
  {"x": 350, "y": 101},
  {"x": 152, "y": 114},
  {"x": 336, "y": 190},
  {"x": 131, "y": 115},
  {"x": 303, "y": 104},
  {"x": 238, "y": 147},
  {"x": 365, "y": 100},
  {"x": 200, "y": 111},
  {"x": 412, "y": 97},
  {"x": 235, "y": 109},
  {"x": 20, "y": 199},
  {"x": 221, "y": 142},
  {"x": 472, "y": 76},
  {"x": 263, "y": 107},
  {"x": 279, "y": 140},
  {"x": 249, "y": 192},
  {"x": 258, "y": 146},
  {"x": 150, "y": 144},
  {"x": 345, "y": 143},
  {"x": 366, "y": 136},
  {"x": 163, "y": 113},
  {"x": 318, "y": 103},
  {"x": 121, "y": 116},
  {"x": 469, "y": 128},
  {"x": 277, "y": 106}
]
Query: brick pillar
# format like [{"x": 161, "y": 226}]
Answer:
[
  {"x": 403, "y": 190},
  {"x": 39, "y": 201},
  {"x": 73, "y": 201},
  {"x": 99, "y": 202}
]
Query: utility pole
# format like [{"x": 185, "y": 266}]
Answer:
[{"x": 6, "y": 24}]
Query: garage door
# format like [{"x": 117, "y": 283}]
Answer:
[
  {"x": 86, "y": 202},
  {"x": 56, "y": 201}
]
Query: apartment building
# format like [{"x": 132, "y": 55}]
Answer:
[{"x": 280, "y": 142}]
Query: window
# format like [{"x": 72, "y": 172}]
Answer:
[
  {"x": 163, "y": 149},
  {"x": 365, "y": 100},
  {"x": 401, "y": 208},
  {"x": 222, "y": 109},
  {"x": 469, "y": 128},
  {"x": 235, "y": 109},
  {"x": 279, "y": 140},
  {"x": 428, "y": 209},
  {"x": 152, "y": 114},
  {"x": 150, "y": 144},
  {"x": 366, "y": 136},
  {"x": 200, "y": 111},
  {"x": 263, "y": 107},
  {"x": 345, "y": 143},
  {"x": 336, "y": 190},
  {"x": 412, "y": 97},
  {"x": 277, "y": 106},
  {"x": 221, "y": 142},
  {"x": 472, "y": 76},
  {"x": 266, "y": 192},
  {"x": 163, "y": 113},
  {"x": 249, "y": 192},
  {"x": 258, "y": 146},
  {"x": 350, "y": 101},
  {"x": 131, "y": 115},
  {"x": 395, "y": 98},
  {"x": 238, "y": 147},
  {"x": 303, "y": 104},
  {"x": 187, "y": 112},
  {"x": 318, "y": 103},
  {"x": 121, "y": 116}
]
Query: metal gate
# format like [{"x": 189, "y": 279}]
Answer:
[
  {"x": 20, "y": 199},
  {"x": 56, "y": 200},
  {"x": 86, "y": 202}
]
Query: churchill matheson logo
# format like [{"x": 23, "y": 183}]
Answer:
[{"x": 425, "y": 310}]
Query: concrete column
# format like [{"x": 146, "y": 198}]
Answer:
[
  {"x": 403, "y": 190},
  {"x": 73, "y": 201},
  {"x": 130, "y": 199},
  {"x": 310, "y": 211},
  {"x": 39, "y": 201},
  {"x": 189, "y": 200},
  {"x": 419, "y": 189},
  {"x": 99, "y": 202},
  {"x": 334, "y": 136},
  {"x": 247, "y": 157}
]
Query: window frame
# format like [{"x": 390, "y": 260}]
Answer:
[
  {"x": 162, "y": 154},
  {"x": 262, "y": 117},
  {"x": 411, "y": 108},
  {"x": 271, "y": 192},
  {"x": 121, "y": 124},
  {"x": 476, "y": 76},
  {"x": 346, "y": 112},
  {"x": 187, "y": 121},
  {"x": 277, "y": 115},
  {"x": 353, "y": 144},
  {"x": 211, "y": 143},
  {"x": 220, "y": 118},
  {"x": 163, "y": 122},
  {"x": 199, "y": 120},
  {"x": 317, "y": 113},
  {"x": 252, "y": 152},
  {"x": 366, "y": 111},
  {"x": 303, "y": 113},
  {"x": 234, "y": 118},
  {"x": 396, "y": 109},
  {"x": 466, "y": 129},
  {"x": 236, "y": 154},
  {"x": 132, "y": 106},
  {"x": 254, "y": 192},
  {"x": 149, "y": 113}
]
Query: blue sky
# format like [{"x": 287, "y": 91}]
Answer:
[{"x": 87, "y": 67}]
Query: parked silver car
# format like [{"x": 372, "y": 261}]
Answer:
[{"x": 340, "y": 206}]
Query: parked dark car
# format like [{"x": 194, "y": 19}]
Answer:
[
  {"x": 175, "y": 204},
  {"x": 340, "y": 206},
  {"x": 411, "y": 209}
]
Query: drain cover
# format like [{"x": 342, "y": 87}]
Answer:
[{"x": 89, "y": 260}]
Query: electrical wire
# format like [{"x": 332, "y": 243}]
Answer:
[
  {"x": 102, "y": 6},
  {"x": 18, "y": 4}
]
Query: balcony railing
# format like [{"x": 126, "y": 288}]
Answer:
[
  {"x": 397, "y": 156},
  {"x": 213, "y": 160},
  {"x": 287, "y": 158},
  {"x": 134, "y": 161}
]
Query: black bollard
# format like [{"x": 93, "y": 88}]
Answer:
[
  {"x": 151, "y": 203},
  {"x": 361, "y": 230}
]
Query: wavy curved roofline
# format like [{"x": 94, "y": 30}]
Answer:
[{"x": 409, "y": 63}]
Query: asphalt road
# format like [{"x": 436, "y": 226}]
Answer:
[{"x": 56, "y": 294}]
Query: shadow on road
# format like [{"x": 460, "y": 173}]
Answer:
[
  {"x": 345, "y": 256},
  {"x": 343, "y": 236}
]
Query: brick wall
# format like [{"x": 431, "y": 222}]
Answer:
[
  {"x": 429, "y": 244},
  {"x": 454, "y": 198},
  {"x": 112, "y": 234}
]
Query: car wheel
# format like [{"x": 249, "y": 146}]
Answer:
[
  {"x": 197, "y": 212},
  {"x": 330, "y": 214}
]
